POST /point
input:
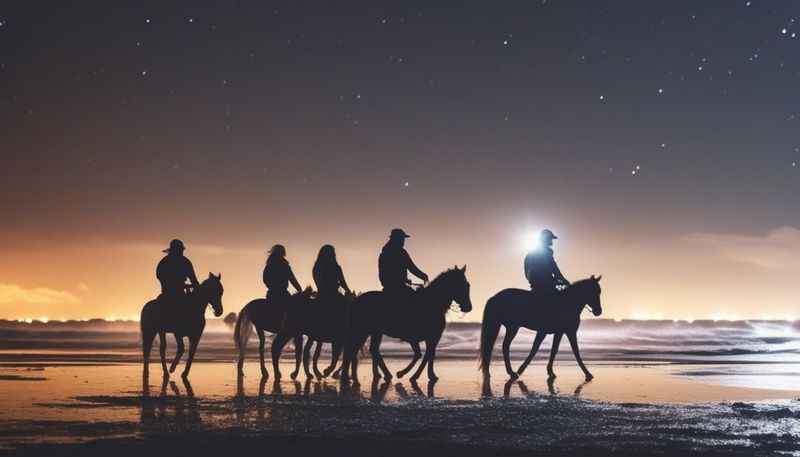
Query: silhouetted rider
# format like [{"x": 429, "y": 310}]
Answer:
[
  {"x": 173, "y": 271},
  {"x": 278, "y": 274},
  {"x": 328, "y": 275},
  {"x": 541, "y": 269},
  {"x": 394, "y": 264}
]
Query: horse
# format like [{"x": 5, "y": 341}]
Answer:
[
  {"x": 421, "y": 318},
  {"x": 181, "y": 319},
  {"x": 322, "y": 321},
  {"x": 559, "y": 315},
  {"x": 265, "y": 317}
]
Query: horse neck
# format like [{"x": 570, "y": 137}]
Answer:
[
  {"x": 576, "y": 299},
  {"x": 198, "y": 300},
  {"x": 437, "y": 296}
]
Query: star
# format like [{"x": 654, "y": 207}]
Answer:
[
  {"x": 405, "y": 184},
  {"x": 602, "y": 97},
  {"x": 147, "y": 21},
  {"x": 660, "y": 90}
]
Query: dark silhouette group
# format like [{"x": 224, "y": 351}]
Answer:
[{"x": 334, "y": 314}]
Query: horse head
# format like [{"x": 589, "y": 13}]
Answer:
[
  {"x": 212, "y": 291},
  {"x": 459, "y": 287},
  {"x": 592, "y": 295}
]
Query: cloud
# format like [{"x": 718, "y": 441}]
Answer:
[
  {"x": 778, "y": 249},
  {"x": 15, "y": 294}
]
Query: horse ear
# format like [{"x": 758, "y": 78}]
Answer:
[
  {"x": 599, "y": 278},
  {"x": 219, "y": 275},
  {"x": 210, "y": 275},
  {"x": 591, "y": 277},
  {"x": 464, "y": 269}
]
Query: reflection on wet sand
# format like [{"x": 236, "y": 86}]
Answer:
[
  {"x": 154, "y": 411},
  {"x": 552, "y": 389}
]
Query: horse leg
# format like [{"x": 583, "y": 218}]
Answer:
[
  {"x": 178, "y": 353},
  {"x": 534, "y": 349},
  {"x": 307, "y": 357},
  {"x": 511, "y": 332},
  {"x": 336, "y": 352},
  {"x": 553, "y": 352},
  {"x": 377, "y": 359},
  {"x": 298, "y": 355},
  {"x": 147, "y": 345},
  {"x": 162, "y": 350},
  {"x": 193, "y": 342},
  {"x": 277, "y": 347},
  {"x": 315, "y": 366},
  {"x": 430, "y": 348},
  {"x": 354, "y": 361},
  {"x": 417, "y": 356},
  {"x": 422, "y": 365},
  {"x": 261, "y": 341},
  {"x": 573, "y": 341}
]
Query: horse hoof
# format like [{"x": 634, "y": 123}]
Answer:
[
  {"x": 551, "y": 376},
  {"x": 185, "y": 375},
  {"x": 589, "y": 377},
  {"x": 414, "y": 378},
  {"x": 387, "y": 377},
  {"x": 514, "y": 376},
  {"x": 172, "y": 369},
  {"x": 433, "y": 379},
  {"x": 293, "y": 375},
  {"x": 400, "y": 374}
]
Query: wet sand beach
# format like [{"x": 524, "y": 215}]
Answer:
[{"x": 628, "y": 409}]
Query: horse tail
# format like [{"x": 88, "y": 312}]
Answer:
[
  {"x": 490, "y": 328},
  {"x": 243, "y": 329}
]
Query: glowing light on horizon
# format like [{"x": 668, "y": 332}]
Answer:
[
  {"x": 44, "y": 319},
  {"x": 530, "y": 241}
]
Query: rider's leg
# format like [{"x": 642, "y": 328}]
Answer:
[
  {"x": 553, "y": 352},
  {"x": 511, "y": 332},
  {"x": 534, "y": 349},
  {"x": 573, "y": 341}
]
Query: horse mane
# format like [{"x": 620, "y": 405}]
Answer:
[{"x": 442, "y": 277}]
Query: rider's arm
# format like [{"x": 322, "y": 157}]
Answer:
[
  {"x": 342, "y": 282},
  {"x": 557, "y": 273},
  {"x": 414, "y": 269},
  {"x": 293, "y": 280},
  {"x": 190, "y": 273}
]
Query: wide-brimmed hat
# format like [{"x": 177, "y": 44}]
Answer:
[
  {"x": 398, "y": 233},
  {"x": 175, "y": 245}
]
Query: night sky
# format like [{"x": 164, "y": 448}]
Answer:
[{"x": 659, "y": 140}]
